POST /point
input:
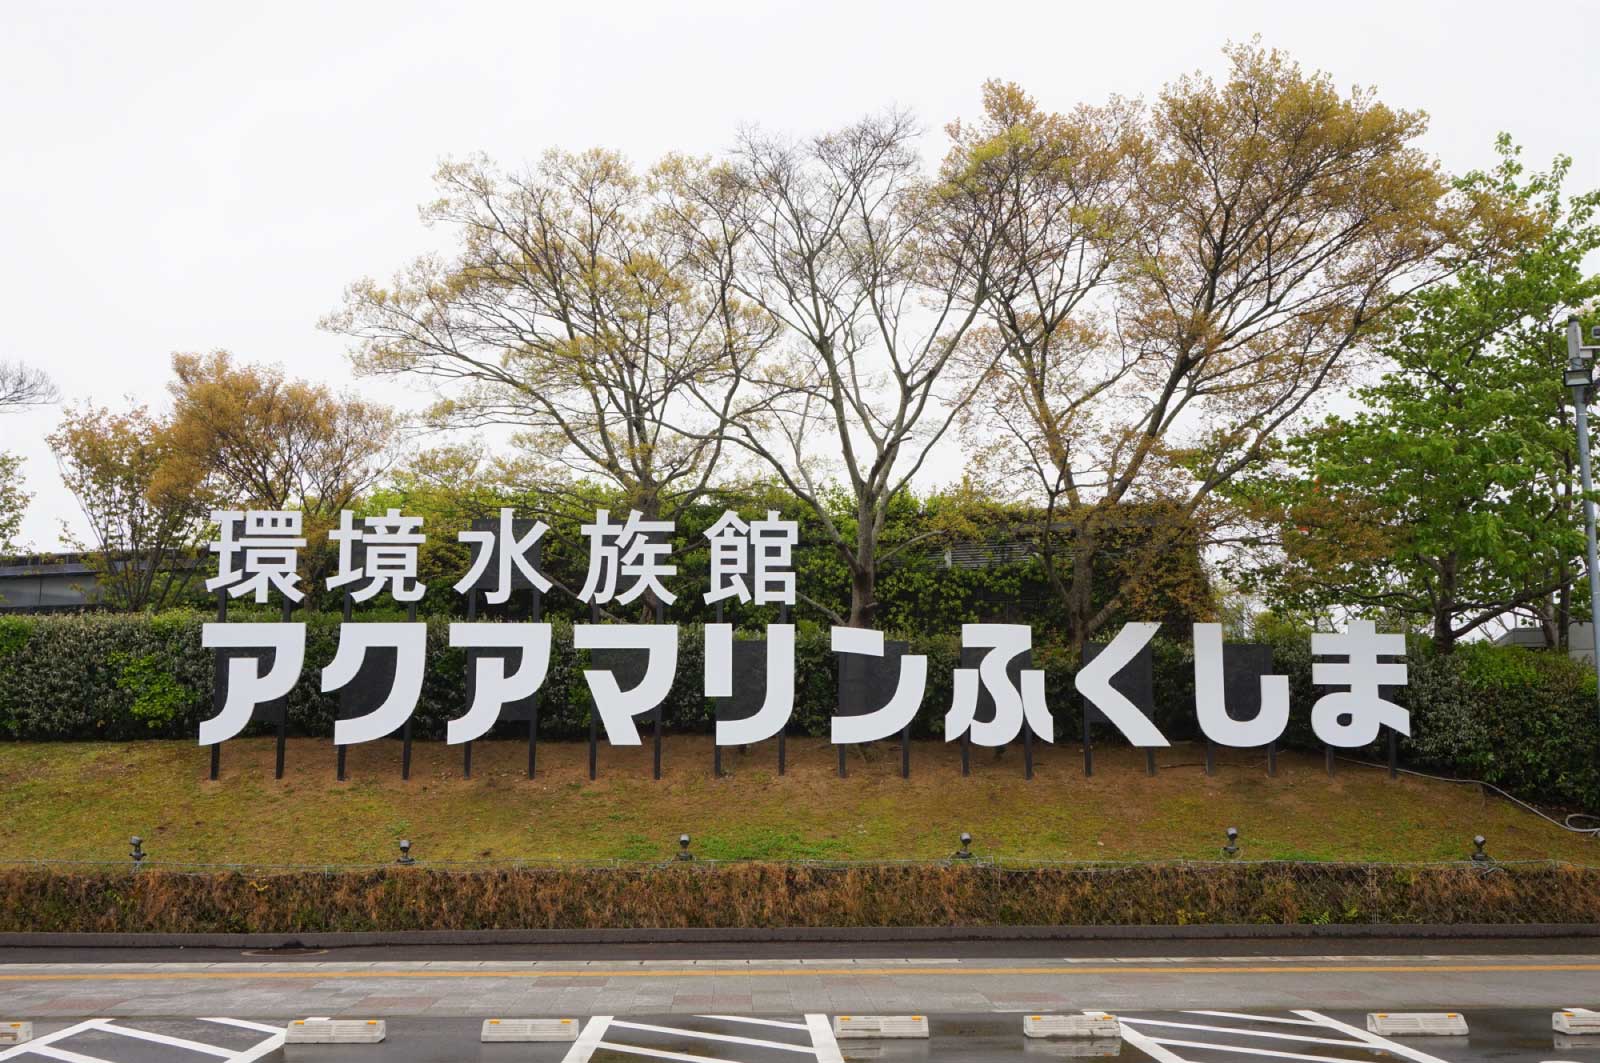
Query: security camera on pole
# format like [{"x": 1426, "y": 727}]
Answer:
[{"x": 1579, "y": 376}]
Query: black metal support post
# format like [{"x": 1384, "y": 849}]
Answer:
[
  {"x": 1088, "y": 744},
  {"x": 466, "y": 751},
  {"x": 283, "y": 718}
]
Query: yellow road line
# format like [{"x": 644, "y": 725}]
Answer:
[{"x": 313, "y": 974}]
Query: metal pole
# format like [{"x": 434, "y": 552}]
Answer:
[
  {"x": 1580, "y": 405},
  {"x": 1580, "y": 400}
]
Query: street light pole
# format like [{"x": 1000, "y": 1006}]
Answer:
[{"x": 1580, "y": 378}]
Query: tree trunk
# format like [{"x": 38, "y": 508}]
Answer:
[
  {"x": 1444, "y": 607},
  {"x": 864, "y": 593}
]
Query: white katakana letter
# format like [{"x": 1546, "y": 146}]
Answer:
[
  {"x": 774, "y": 541},
  {"x": 247, "y": 687},
  {"x": 627, "y": 550},
  {"x": 779, "y": 702},
  {"x": 505, "y": 547},
  {"x": 269, "y": 542},
  {"x": 1351, "y": 718},
  {"x": 730, "y": 558},
  {"x": 618, "y": 707},
  {"x": 1093, "y": 681},
  {"x": 410, "y": 643},
  {"x": 492, "y": 688},
  {"x": 1005, "y": 642},
  {"x": 391, "y": 543},
  {"x": 1210, "y": 702},
  {"x": 892, "y": 718}
]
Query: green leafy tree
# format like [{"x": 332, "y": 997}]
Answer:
[
  {"x": 1448, "y": 500},
  {"x": 144, "y": 527}
]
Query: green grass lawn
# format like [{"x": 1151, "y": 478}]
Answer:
[{"x": 83, "y": 800}]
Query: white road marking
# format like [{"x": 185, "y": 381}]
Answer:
[
  {"x": 751, "y": 1019},
  {"x": 61, "y": 1054},
  {"x": 45, "y": 1040},
  {"x": 245, "y": 1024},
  {"x": 1344, "y": 1041},
  {"x": 588, "y": 1040},
  {"x": 1370, "y": 1038},
  {"x": 164, "y": 1039},
  {"x": 657, "y": 1053},
  {"x": 822, "y": 1039},
  {"x": 1148, "y": 1046},
  {"x": 1214, "y": 1047},
  {"x": 1254, "y": 1018},
  {"x": 701, "y": 1035},
  {"x": 262, "y": 1050}
]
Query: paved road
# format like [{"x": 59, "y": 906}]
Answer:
[
  {"x": 778, "y": 950},
  {"x": 1213, "y": 1036},
  {"x": 466, "y": 988},
  {"x": 1242, "y": 1002}
]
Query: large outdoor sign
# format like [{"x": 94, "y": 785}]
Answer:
[{"x": 998, "y": 696}]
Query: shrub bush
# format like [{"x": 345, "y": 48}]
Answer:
[{"x": 1523, "y": 720}]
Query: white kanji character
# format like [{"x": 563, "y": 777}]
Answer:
[
  {"x": 247, "y": 686},
  {"x": 730, "y": 558},
  {"x": 391, "y": 543},
  {"x": 1366, "y": 711},
  {"x": 269, "y": 542},
  {"x": 1005, "y": 642},
  {"x": 410, "y": 643},
  {"x": 627, "y": 550},
  {"x": 493, "y": 686},
  {"x": 1093, "y": 681},
  {"x": 618, "y": 707},
  {"x": 1210, "y": 701},
  {"x": 774, "y": 541},
  {"x": 508, "y": 550},
  {"x": 888, "y": 719},
  {"x": 778, "y": 704}
]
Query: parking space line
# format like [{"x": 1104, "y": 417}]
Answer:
[
  {"x": 63, "y": 1056},
  {"x": 701, "y": 1035},
  {"x": 1148, "y": 1046},
  {"x": 1255, "y": 1018},
  {"x": 588, "y": 1039},
  {"x": 165, "y": 1039},
  {"x": 44, "y": 1040},
  {"x": 660, "y": 1053},
  {"x": 1214, "y": 1047},
  {"x": 822, "y": 1039},
  {"x": 245, "y": 1024},
  {"x": 262, "y": 1050},
  {"x": 1343, "y": 1041},
  {"x": 1370, "y": 1038},
  {"x": 752, "y": 1020}
]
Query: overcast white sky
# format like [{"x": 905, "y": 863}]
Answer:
[{"x": 193, "y": 176}]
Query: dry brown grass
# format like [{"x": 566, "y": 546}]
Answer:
[{"x": 776, "y": 895}]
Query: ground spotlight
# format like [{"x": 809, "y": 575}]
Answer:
[
  {"x": 1478, "y": 855},
  {"x": 683, "y": 848},
  {"x": 1232, "y": 848},
  {"x": 136, "y": 851},
  {"x": 405, "y": 852},
  {"x": 965, "y": 852}
]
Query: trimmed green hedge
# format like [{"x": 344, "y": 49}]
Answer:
[
  {"x": 121, "y": 676},
  {"x": 1523, "y": 720}
]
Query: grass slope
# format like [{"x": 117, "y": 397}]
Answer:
[{"x": 82, "y": 801}]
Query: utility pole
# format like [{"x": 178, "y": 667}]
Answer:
[{"x": 1579, "y": 376}]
